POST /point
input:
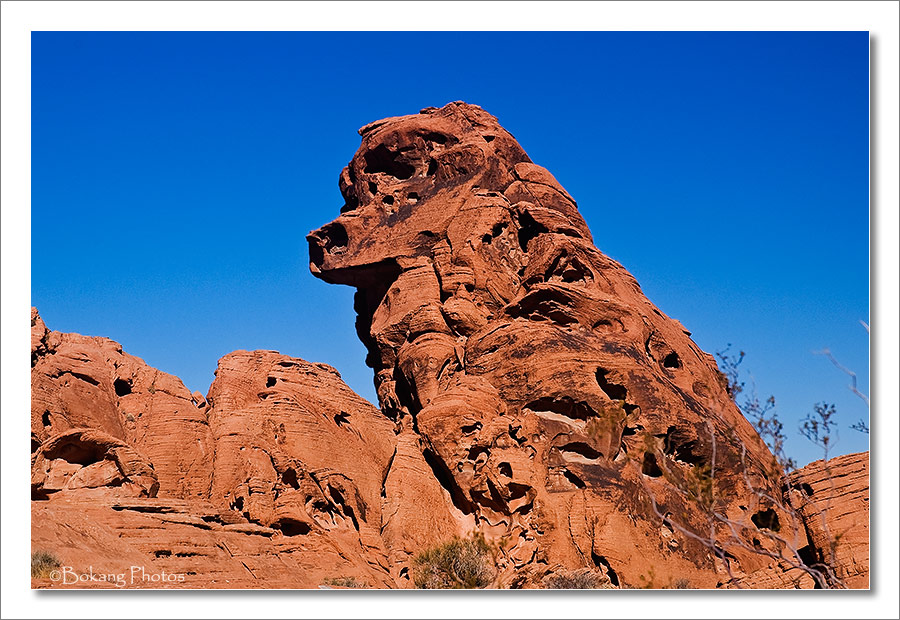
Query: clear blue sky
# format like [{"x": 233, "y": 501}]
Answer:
[{"x": 175, "y": 175}]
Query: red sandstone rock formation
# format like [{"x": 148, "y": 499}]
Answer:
[
  {"x": 544, "y": 390},
  {"x": 528, "y": 390},
  {"x": 275, "y": 482},
  {"x": 80, "y": 382},
  {"x": 833, "y": 499}
]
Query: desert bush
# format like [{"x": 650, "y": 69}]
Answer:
[
  {"x": 345, "y": 582},
  {"x": 459, "y": 563},
  {"x": 583, "y": 579},
  {"x": 700, "y": 487},
  {"x": 42, "y": 562}
]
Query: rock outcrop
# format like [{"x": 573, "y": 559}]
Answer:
[
  {"x": 81, "y": 382},
  {"x": 562, "y": 412},
  {"x": 528, "y": 391},
  {"x": 273, "y": 481},
  {"x": 832, "y": 498}
]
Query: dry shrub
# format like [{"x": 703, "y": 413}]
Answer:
[
  {"x": 42, "y": 562},
  {"x": 459, "y": 563},
  {"x": 581, "y": 579},
  {"x": 345, "y": 582}
]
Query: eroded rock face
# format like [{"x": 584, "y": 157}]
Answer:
[
  {"x": 276, "y": 481},
  {"x": 300, "y": 452},
  {"x": 543, "y": 388},
  {"x": 833, "y": 499},
  {"x": 83, "y": 382}
]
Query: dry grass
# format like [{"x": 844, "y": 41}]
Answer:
[{"x": 42, "y": 562}]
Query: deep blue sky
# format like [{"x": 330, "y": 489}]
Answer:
[{"x": 175, "y": 175}]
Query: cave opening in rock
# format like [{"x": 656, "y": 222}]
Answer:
[
  {"x": 671, "y": 361},
  {"x": 292, "y": 527},
  {"x": 382, "y": 159},
  {"x": 766, "y": 519},
  {"x": 122, "y": 387},
  {"x": 649, "y": 466}
]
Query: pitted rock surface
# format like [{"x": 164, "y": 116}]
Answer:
[{"x": 547, "y": 393}]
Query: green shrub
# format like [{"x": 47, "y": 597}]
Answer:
[
  {"x": 583, "y": 579},
  {"x": 42, "y": 562},
  {"x": 459, "y": 563}
]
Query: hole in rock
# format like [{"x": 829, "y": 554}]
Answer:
[
  {"x": 505, "y": 469},
  {"x": 335, "y": 237},
  {"x": 270, "y": 382},
  {"x": 412, "y": 198},
  {"x": 766, "y": 519},
  {"x": 491, "y": 500},
  {"x": 122, "y": 387},
  {"x": 85, "y": 378},
  {"x": 432, "y": 167},
  {"x": 671, "y": 361},
  {"x": 289, "y": 477},
  {"x": 629, "y": 431},
  {"x": 602, "y": 562},
  {"x": 292, "y": 527},
  {"x": 807, "y": 490},
  {"x": 342, "y": 418},
  {"x": 347, "y": 509},
  {"x": 613, "y": 390},
  {"x": 578, "y": 482},
  {"x": 433, "y": 136},
  {"x": 518, "y": 491},
  {"x": 565, "y": 406},
  {"x": 373, "y": 188},
  {"x": 529, "y": 228},
  {"x": 649, "y": 467},
  {"x": 514, "y": 433},
  {"x": 77, "y": 452},
  {"x": 476, "y": 451},
  {"x": 162, "y": 553},
  {"x": 489, "y": 138},
  {"x": 446, "y": 480},
  {"x": 582, "y": 449},
  {"x": 382, "y": 159},
  {"x": 681, "y": 449},
  {"x": 45, "y": 419},
  {"x": 808, "y": 556},
  {"x": 471, "y": 428},
  {"x": 388, "y": 200}
]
